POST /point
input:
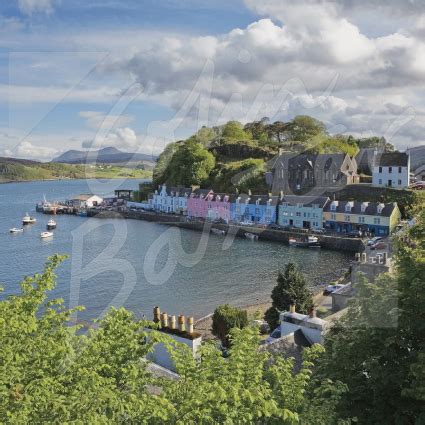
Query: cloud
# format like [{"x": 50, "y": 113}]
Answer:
[
  {"x": 96, "y": 120},
  {"x": 26, "y": 149},
  {"x": 28, "y": 7},
  {"x": 123, "y": 138}
]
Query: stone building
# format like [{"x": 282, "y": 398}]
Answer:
[{"x": 312, "y": 173}]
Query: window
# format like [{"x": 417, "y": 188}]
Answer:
[
  {"x": 284, "y": 204},
  {"x": 376, "y": 220},
  {"x": 361, "y": 220},
  {"x": 333, "y": 207},
  {"x": 333, "y": 216},
  {"x": 298, "y": 214},
  {"x": 380, "y": 181},
  {"x": 257, "y": 211},
  {"x": 399, "y": 182},
  {"x": 399, "y": 169},
  {"x": 347, "y": 218},
  {"x": 380, "y": 169},
  {"x": 300, "y": 205},
  {"x": 348, "y": 207},
  {"x": 390, "y": 169}
]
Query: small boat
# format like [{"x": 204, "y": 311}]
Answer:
[
  {"x": 310, "y": 242},
  {"x": 15, "y": 230},
  {"x": 51, "y": 224},
  {"x": 28, "y": 219},
  {"x": 45, "y": 235},
  {"x": 251, "y": 236},
  {"x": 218, "y": 231}
]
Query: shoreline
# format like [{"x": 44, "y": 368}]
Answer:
[{"x": 71, "y": 179}]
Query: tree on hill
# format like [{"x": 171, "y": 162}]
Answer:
[
  {"x": 378, "y": 347},
  {"x": 234, "y": 130},
  {"x": 291, "y": 288},
  {"x": 303, "y": 127},
  {"x": 160, "y": 174},
  {"x": 190, "y": 164}
]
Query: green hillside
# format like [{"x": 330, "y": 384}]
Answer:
[
  {"x": 22, "y": 170},
  {"x": 234, "y": 157}
]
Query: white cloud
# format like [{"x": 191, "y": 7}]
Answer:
[
  {"x": 28, "y": 7},
  {"x": 96, "y": 120},
  {"x": 26, "y": 149}
]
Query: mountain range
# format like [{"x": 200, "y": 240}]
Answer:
[{"x": 108, "y": 155}]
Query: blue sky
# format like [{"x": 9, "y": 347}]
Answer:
[{"x": 93, "y": 73}]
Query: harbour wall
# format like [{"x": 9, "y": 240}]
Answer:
[{"x": 335, "y": 243}]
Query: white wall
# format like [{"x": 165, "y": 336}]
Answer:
[{"x": 400, "y": 180}]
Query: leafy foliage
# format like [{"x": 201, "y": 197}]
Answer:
[
  {"x": 377, "y": 349},
  {"x": 225, "y": 318}
]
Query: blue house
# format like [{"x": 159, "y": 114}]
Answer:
[{"x": 256, "y": 209}]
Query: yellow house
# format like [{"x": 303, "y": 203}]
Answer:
[{"x": 374, "y": 217}]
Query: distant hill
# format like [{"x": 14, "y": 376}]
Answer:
[
  {"x": 104, "y": 156},
  {"x": 13, "y": 169}
]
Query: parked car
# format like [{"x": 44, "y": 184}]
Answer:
[
  {"x": 332, "y": 288},
  {"x": 418, "y": 185},
  {"x": 379, "y": 245},
  {"x": 319, "y": 231},
  {"x": 274, "y": 335},
  {"x": 374, "y": 240},
  {"x": 273, "y": 226},
  {"x": 246, "y": 223},
  {"x": 355, "y": 234}
]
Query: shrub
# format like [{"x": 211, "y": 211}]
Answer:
[
  {"x": 271, "y": 316},
  {"x": 225, "y": 318}
]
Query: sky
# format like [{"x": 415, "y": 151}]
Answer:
[{"x": 139, "y": 74}]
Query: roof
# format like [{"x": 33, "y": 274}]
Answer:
[
  {"x": 83, "y": 197},
  {"x": 307, "y": 201},
  {"x": 303, "y": 320},
  {"x": 371, "y": 208},
  {"x": 300, "y": 338},
  {"x": 396, "y": 159},
  {"x": 324, "y": 160},
  {"x": 417, "y": 156}
]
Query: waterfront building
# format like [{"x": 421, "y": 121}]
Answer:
[
  {"x": 292, "y": 172},
  {"x": 197, "y": 203},
  {"x": 171, "y": 200},
  {"x": 391, "y": 169},
  {"x": 374, "y": 217},
  {"x": 301, "y": 211},
  {"x": 85, "y": 201},
  {"x": 256, "y": 209}
]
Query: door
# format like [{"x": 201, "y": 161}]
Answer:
[{"x": 390, "y": 183}]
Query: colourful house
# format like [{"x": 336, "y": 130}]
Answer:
[
  {"x": 171, "y": 200},
  {"x": 197, "y": 203},
  {"x": 301, "y": 211},
  {"x": 209, "y": 205},
  {"x": 374, "y": 217},
  {"x": 256, "y": 209}
]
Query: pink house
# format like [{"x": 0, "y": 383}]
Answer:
[{"x": 209, "y": 205}]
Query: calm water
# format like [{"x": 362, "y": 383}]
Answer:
[{"x": 124, "y": 262}]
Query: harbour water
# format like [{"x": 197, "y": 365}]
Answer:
[{"x": 140, "y": 264}]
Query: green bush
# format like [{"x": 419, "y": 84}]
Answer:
[
  {"x": 225, "y": 318},
  {"x": 271, "y": 316}
]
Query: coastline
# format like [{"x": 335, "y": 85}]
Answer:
[{"x": 71, "y": 179}]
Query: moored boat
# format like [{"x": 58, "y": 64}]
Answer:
[
  {"x": 251, "y": 236},
  {"x": 45, "y": 235},
  {"x": 16, "y": 230},
  {"x": 28, "y": 219},
  {"x": 310, "y": 242},
  {"x": 51, "y": 224},
  {"x": 218, "y": 231}
]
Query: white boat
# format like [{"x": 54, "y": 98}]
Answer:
[
  {"x": 15, "y": 230},
  {"x": 251, "y": 236},
  {"x": 45, "y": 235},
  {"x": 310, "y": 242},
  {"x": 28, "y": 219},
  {"x": 51, "y": 224},
  {"x": 218, "y": 231}
]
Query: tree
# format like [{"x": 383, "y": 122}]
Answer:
[
  {"x": 191, "y": 164},
  {"x": 378, "y": 348},
  {"x": 234, "y": 130},
  {"x": 50, "y": 373},
  {"x": 225, "y": 318},
  {"x": 303, "y": 127},
  {"x": 291, "y": 288},
  {"x": 160, "y": 174}
]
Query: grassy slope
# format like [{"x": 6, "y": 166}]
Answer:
[{"x": 11, "y": 170}]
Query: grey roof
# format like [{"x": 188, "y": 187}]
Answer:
[
  {"x": 197, "y": 193},
  {"x": 417, "y": 156},
  {"x": 371, "y": 209},
  {"x": 307, "y": 201},
  {"x": 396, "y": 159}
]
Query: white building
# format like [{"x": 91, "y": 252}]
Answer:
[
  {"x": 306, "y": 328},
  {"x": 172, "y": 200},
  {"x": 86, "y": 201},
  {"x": 391, "y": 169}
]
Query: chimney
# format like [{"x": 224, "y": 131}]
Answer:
[
  {"x": 292, "y": 308},
  {"x": 312, "y": 313},
  {"x": 164, "y": 320},
  {"x": 249, "y": 192},
  {"x": 173, "y": 322},
  {"x": 358, "y": 257},
  {"x": 182, "y": 326},
  {"x": 156, "y": 315},
  {"x": 364, "y": 257},
  {"x": 190, "y": 324}
]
